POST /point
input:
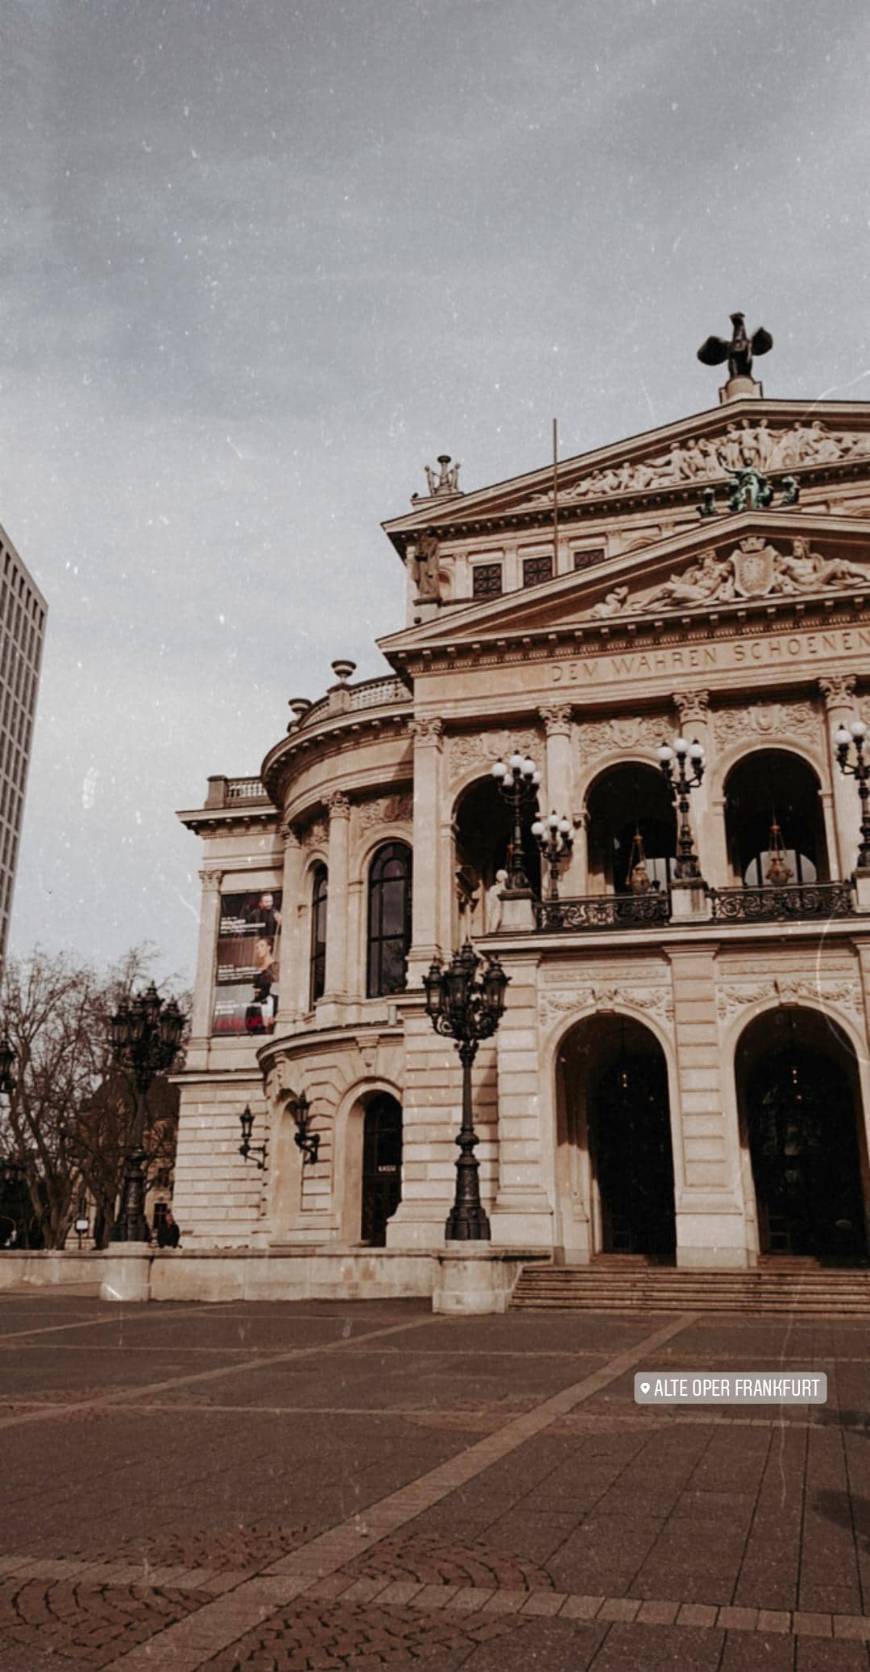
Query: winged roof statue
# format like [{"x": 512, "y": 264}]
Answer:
[{"x": 739, "y": 351}]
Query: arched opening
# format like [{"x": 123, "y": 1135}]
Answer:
[
  {"x": 630, "y": 819},
  {"x": 482, "y": 826},
  {"x": 389, "y": 919},
  {"x": 615, "y": 1161},
  {"x": 317, "y": 954},
  {"x": 799, "y": 1101},
  {"x": 382, "y": 1166},
  {"x": 774, "y": 823}
]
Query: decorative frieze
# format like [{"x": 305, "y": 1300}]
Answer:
[
  {"x": 472, "y": 749},
  {"x": 315, "y": 834},
  {"x": 556, "y": 1001},
  {"x": 384, "y": 809},
  {"x": 788, "y": 717},
  {"x": 625, "y": 731},
  {"x": 788, "y": 989},
  {"x": 708, "y": 458}
]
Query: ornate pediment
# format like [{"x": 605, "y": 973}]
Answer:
[
  {"x": 753, "y": 568},
  {"x": 782, "y": 558},
  {"x": 687, "y": 457}
]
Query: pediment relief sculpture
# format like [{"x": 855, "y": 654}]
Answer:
[
  {"x": 754, "y": 569},
  {"x": 747, "y": 446}
]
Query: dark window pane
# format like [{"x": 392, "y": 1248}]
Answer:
[
  {"x": 593, "y": 554},
  {"x": 537, "y": 569},
  {"x": 486, "y": 580}
]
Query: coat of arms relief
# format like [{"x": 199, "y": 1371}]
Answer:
[{"x": 754, "y": 569}]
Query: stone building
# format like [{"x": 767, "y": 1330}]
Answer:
[{"x": 681, "y": 1071}]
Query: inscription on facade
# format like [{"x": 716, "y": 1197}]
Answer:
[{"x": 770, "y": 650}]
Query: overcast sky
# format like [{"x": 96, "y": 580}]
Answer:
[{"x": 262, "y": 260}]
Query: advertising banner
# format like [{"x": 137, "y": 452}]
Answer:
[{"x": 246, "y": 990}]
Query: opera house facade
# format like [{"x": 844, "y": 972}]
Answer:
[{"x": 666, "y": 645}]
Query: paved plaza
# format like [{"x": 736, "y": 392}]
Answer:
[{"x": 320, "y": 1485}]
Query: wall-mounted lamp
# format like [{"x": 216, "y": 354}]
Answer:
[
  {"x": 308, "y": 1142},
  {"x": 246, "y": 1148}
]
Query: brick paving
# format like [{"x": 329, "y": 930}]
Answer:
[{"x": 317, "y": 1486}]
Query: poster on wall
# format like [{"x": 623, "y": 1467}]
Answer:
[{"x": 246, "y": 987}]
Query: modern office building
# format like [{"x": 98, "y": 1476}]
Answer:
[{"x": 22, "y": 627}]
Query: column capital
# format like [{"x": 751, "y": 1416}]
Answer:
[
  {"x": 211, "y": 881},
  {"x": 557, "y": 718},
  {"x": 426, "y": 728},
  {"x": 339, "y": 805},
  {"x": 692, "y": 706},
  {"x": 838, "y": 690}
]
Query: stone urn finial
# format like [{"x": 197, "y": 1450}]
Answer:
[
  {"x": 343, "y": 670},
  {"x": 299, "y": 707}
]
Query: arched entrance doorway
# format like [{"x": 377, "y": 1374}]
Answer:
[
  {"x": 799, "y": 1106},
  {"x": 615, "y": 1159},
  {"x": 382, "y": 1166}
]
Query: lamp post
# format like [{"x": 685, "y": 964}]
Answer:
[
  {"x": 146, "y": 1034},
  {"x": 859, "y": 769},
  {"x": 685, "y": 754},
  {"x": 467, "y": 1007},
  {"x": 555, "y": 840},
  {"x": 518, "y": 781}
]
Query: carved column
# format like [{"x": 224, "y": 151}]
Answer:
[
  {"x": 428, "y": 862},
  {"x": 838, "y": 691},
  {"x": 337, "y": 897},
  {"x": 693, "y": 721},
  {"x": 291, "y": 957},
  {"x": 559, "y": 788},
  {"x": 206, "y": 959}
]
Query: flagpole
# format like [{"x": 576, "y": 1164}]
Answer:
[{"x": 555, "y": 496}]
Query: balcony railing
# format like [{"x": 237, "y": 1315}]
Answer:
[
  {"x": 795, "y": 903},
  {"x": 602, "y": 911},
  {"x": 777, "y": 905}
]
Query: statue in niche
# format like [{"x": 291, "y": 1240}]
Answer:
[
  {"x": 426, "y": 564},
  {"x": 493, "y": 906}
]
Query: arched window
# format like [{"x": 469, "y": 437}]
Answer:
[
  {"x": 773, "y": 820},
  {"x": 319, "y": 892},
  {"x": 630, "y": 821},
  {"x": 389, "y": 919}
]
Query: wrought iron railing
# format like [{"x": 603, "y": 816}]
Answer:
[
  {"x": 603, "y": 911},
  {"x": 775, "y": 905}
]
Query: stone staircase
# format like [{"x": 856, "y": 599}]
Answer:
[{"x": 628, "y": 1283}]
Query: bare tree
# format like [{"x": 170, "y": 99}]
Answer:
[{"x": 66, "y": 1127}]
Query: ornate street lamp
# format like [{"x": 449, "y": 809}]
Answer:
[
  {"x": 246, "y": 1148},
  {"x": 146, "y": 1034},
  {"x": 860, "y": 771},
  {"x": 467, "y": 1007},
  {"x": 687, "y": 868},
  {"x": 555, "y": 839},
  {"x": 518, "y": 781},
  {"x": 307, "y": 1142}
]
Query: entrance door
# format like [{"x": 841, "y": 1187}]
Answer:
[
  {"x": 804, "y": 1149},
  {"x": 631, "y": 1152},
  {"x": 382, "y": 1167}
]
